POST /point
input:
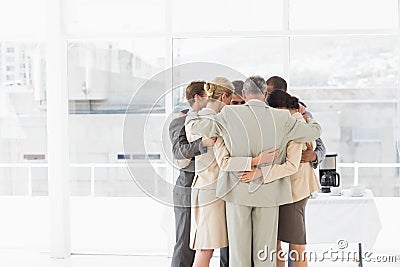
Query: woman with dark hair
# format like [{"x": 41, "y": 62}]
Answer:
[
  {"x": 281, "y": 99},
  {"x": 291, "y": 225}
]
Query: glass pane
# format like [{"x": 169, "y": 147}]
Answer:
[
  {"x": 344, "y": 62},
  {"x": 104, "y": 76},
  {"x": 39, "y": 181},
  {"x": 23, "y": 134},
  {"x": 118, "y": 16},
  {"x": 208, "y": 15},
  {"x": 106, "y": 80},
  {"x": 353, "y": 127},
  {"x": 247, "y": 56},
  {"x": 97, "y": 139},
  {"x": 343, "y": 14},
  {"x": 80, "y": 181},
  {"x": 398, "y": 127},
  {"x": 14, "y": 182},
  {"x": 118, "y": 182},
  {"x": 23, "y": 17}
]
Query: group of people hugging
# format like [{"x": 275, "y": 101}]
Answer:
[{"x": 246, "y": 151}]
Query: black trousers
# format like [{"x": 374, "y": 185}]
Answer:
[
  {"x": 224, "y": 257},
  {"x": 183, "y": 256}
]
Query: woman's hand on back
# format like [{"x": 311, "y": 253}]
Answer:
[
  {"x": 265, "y": 157},
  {"x": 247, "y": 177}
]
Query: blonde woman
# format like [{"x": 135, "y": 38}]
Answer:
[
  {"x": 208, "y": 227},
  {"x": 291, "y": 225}
]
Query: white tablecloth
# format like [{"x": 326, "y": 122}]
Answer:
[{"x": 333, "y": 218}]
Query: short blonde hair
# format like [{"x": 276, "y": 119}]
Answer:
[{"x": 217, "y": 87}]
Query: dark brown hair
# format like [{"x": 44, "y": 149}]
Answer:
[
  {"x": 277, "y": 83},
  {"x": 238, "y": 84},
  {"x": 195, "y": 88}
]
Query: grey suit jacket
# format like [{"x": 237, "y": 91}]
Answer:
[
  {"x": 248, "y": 130},
  {"x": 183, "y": 149}
]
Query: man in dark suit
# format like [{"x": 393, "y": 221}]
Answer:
[{"x": 184, "y": 152}]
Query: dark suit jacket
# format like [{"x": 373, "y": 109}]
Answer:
[
  {"x": 183, "y": 149},
  {"x": 320, "y": 149}
]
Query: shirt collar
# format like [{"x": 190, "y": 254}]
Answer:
[
  {"x": 206, "y": 110},
  {"x": 256, "y": 102}
]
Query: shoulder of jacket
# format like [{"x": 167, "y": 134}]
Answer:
[
  {"x": 178, "y": 121},
  {"x": 280, "y": 112}
]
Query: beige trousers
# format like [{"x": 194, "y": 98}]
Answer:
[{"x": 252, "y": 235}]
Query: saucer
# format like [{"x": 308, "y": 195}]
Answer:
[{"x": 358, "y": 195}]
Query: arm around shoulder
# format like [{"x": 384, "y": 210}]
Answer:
[
  {"x": 289, "y": 167},
  {"x": 203, "y": 124},
  {"x": 228, "y": 163},
  {"x": 302, "y": 132}
]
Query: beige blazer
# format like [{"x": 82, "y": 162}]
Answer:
[
  {"x": 247, "y": 130},
  {"x": 303, "y": 179},
  {"x": 207, "y": 167},
  {"x": 208, "y": 221}
]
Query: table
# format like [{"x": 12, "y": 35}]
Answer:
[{"x": 333, "y": 218}]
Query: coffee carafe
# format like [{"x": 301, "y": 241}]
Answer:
[{"x": 328, "y": 176}]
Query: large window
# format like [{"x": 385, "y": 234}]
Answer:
[
  {"x": 107, "y": 80},
  {"x": 226, "y": 16},
  {"x": 349, "y": 82},
  {"x": 345, "y": 62},
  {"x": 93, "y": 17},
  {"x": 104, "y": 76},
  {"x": 343, "y": 15},
  {"x": 346, "y": 70}
]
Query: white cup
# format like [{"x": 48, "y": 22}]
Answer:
[
  {"x": 357, "y": 190},
  {"x": 336, "y": 191}
]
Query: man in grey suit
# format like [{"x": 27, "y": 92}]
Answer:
[
  {"x": 184, "y": 152},
  {"x": 252, "y": 214}
]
